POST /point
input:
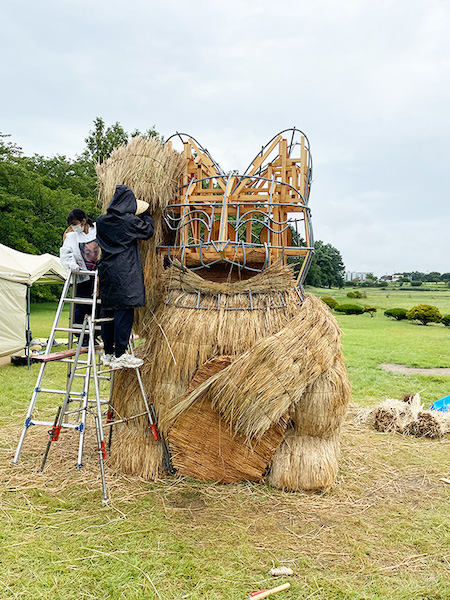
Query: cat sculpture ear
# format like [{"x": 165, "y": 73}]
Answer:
[{"x": 250, "y": 220}]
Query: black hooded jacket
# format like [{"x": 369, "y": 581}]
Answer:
[{"x": 120, "y": 267}]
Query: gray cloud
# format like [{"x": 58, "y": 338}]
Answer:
[{"x": 367, "y": 82}]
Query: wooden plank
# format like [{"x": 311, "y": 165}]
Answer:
[
  {"x": 257, "y": 163},
  {"x": 223, "y": 230},
  {"x": 63, "y": 354},
  {"x": 303, "y": 166},
  {"x": 208, "y": 164}
]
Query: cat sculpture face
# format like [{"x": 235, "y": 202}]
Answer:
[{"x": 231, "y": 225}]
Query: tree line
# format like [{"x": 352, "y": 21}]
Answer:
[{"x": 38, "y": 192}]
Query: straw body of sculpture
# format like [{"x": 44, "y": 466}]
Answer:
[{"x": 244, "y": 368}]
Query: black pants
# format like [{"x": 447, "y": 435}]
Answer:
[
  {"x": 85, "y": 289},
  {"x": 116, "y": 334}
]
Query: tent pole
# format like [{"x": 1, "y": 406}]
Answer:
[{"x": 28, "y": 333}]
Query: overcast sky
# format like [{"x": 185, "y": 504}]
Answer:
[{"x": 368, "y": 81}]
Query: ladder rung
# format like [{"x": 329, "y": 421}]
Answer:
[
  {"x": 50, "y": 391},
  {"x": 82, "y": 300},
  {"x": 82, "y": 376},
  {"x": 51, "y": 424},
  {"x": 75, "y": 329},
  {"x": 104, "y": 320},
  {"x": 72, "y": 360}
]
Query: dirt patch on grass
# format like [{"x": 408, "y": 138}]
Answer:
[{"x": 404, "y": 370}]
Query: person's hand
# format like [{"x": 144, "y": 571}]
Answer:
[{"x": 75, "y": 268}]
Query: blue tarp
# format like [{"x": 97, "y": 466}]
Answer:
[{"x": 443, "y": 404}]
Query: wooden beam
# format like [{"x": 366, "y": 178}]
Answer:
[{"x": 257, "y": 163}]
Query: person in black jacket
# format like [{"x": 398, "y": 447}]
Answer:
[{"x": 121, "y": 278}]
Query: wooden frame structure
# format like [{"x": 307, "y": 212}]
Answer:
[{"x": 248, "y": 221}]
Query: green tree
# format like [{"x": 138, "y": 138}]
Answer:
[
  {"x": 399, "y": 314},
  {"x": 424, "y": 313},
  {"x": 433, "y": 277},
  {"x": 327, "y": 268},
  {"x": 35, "y": 198},
  {"x": 102, "y": 140}
]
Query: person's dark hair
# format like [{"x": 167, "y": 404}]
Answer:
[{"x": 78, "y": 215}]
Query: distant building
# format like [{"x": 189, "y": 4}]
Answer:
[
  {"x": 394, "y": 277},
  {"x": 351, "y": 275}
]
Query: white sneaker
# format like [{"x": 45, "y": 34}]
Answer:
[
  {"x": 106, "y": 359},
  {"x": 126, "y": 361}
]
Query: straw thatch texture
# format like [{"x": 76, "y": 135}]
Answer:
[
  {"x": 180, "y": 340},
  {"x": 136, "y": 453},
  {"x": 263, "y": 384},
  {"x": 304, "y": 462},
  {"x": 277, "y": 278},
  {"x": 322, "y": 407},
  {"x": 150, "y": 168},
  {"x": 219, "y": 455},
  {"x": 152, "y": 171},
  {"x": 208, "y": 369},
  {"x": 224, "y": 382}
]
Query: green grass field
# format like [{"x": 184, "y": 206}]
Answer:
[{"x": 382, "y": 532}]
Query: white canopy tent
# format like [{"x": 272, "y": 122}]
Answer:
[{"x": 18, "y": 271}]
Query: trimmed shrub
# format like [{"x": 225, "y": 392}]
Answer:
[
  {"x": 424, "y": 313},
  {"x": 370, "y": 309},
  {"x": 357, "y": 294},
  {"x": 446, "y": 320},
  {"x": 396, "y": 313},
  {"x": 330, "y": 301},
  {"x": 350, "y": 309},
  {"x": 382, "y": 284},
  {"x": 416, "y": 283}
]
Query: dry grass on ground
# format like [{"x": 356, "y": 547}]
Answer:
[{"x": 382, "y": 531}]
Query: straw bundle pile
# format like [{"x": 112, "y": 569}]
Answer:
[
  {"x": 429, "y": 423},
  {"x": 408, "y": 416},
  {"x": 152, "y": 171},
  {"x": 395, "y": 415}
]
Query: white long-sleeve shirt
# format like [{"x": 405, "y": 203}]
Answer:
[{"x": 80, "y": 251}]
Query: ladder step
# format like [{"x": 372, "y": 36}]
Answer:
[
  {"x": 82, "y": 363},
  {"x": 51, "y": 424},
  {"x": 75, "y": 329},
  {"x": 52, "y": 391},
  {"x": 82, "y": 300},
  {"x": 82, "y": 376},
  {"x": 63, "y": 353}
]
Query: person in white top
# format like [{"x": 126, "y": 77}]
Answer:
[{"x": 80, "y": 252}]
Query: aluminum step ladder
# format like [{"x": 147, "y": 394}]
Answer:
[
  {"x": 74, "y": 356},
  {"x": 65, "y": 415}
]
